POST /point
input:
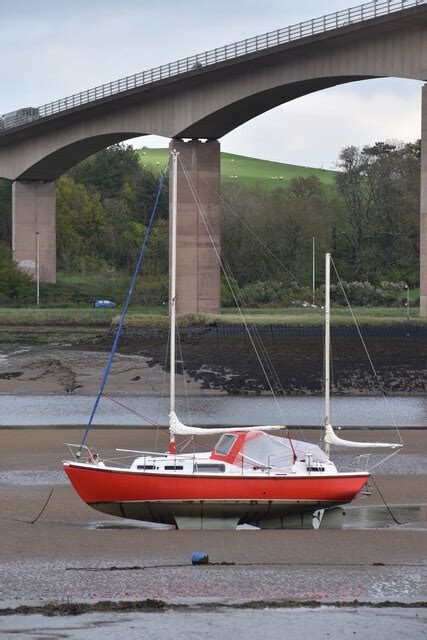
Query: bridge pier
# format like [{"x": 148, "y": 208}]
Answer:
[
  {"x": 33, "y": 211},
  {"x": 198, "y": 269},
  {"x": 423, "y": 207}
]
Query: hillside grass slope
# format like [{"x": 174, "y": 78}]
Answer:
[{"x": 246, "y": 171}]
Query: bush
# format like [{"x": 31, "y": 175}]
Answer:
[
  {"x": 15, "y": 285},
  {"x": 258, "y": 293},
  {"x": 364, "y": 294},
  {"x": 227, "y": 299}
]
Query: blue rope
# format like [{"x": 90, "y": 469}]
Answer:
[{"x": 122, "y": 319}]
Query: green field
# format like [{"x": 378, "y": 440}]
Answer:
[
  {"x": 157, "y": 316},
  {"x": 249, "y": 172}
]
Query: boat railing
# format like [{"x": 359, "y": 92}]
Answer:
[
  {"x": 364, "y": 459},
  {"x": 248, "y": 464},
  {"x": 152, "y": 454},
  {"x": 76, "y": 449}
]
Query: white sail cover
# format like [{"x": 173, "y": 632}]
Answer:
[
  {"x": 332, "y": 438},
  {"x": 178, "y": 428}
]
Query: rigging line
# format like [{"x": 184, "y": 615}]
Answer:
[
  {"x": 124, "y": 312},
  {"x": 252, "y": 330},
  {"x": 162, "y": 388},
  {"x": 384, "y": 460},
  {"x": 252, "y": 326},
  {"x": 367, "y": 353},
  {"x": 228, "y": 274},
  {"x": 273, "y": 373},
  {"x": 257, "y": 337},
  {"x": 255, "y": 332},
  {"x": 385, "y": 503},
  {"x": 263, "y": 349},
  {"x": 189, "y": 412},
  {"x": 231, "y": 289},
  {"x": 136, "y": 413},
  {"x": 252, "y": 232}
]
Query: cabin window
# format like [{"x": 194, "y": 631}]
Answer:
[
  {"x": 146, "y": 466},
  {"x": 173, "y": 467},
  {"x": 224, "y": 445},
  {"x": 210, "y": 468}
]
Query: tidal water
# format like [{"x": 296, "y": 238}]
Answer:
[
  {"x": 360, "y": 411},
  {"x": 327, "y": 622}
]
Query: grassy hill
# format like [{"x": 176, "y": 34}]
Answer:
[{"x": 250, "y": 172}]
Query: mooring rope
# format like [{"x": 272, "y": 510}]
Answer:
[{"x": 385, "y": 503}]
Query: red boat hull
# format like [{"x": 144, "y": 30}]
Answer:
[{"x": 163, "y": 498}]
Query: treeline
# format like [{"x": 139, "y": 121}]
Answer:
[{"x": 369, "y": 220}]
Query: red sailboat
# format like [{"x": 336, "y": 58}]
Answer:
[{"x": 250, "y": 476}]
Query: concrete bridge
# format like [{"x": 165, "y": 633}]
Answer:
[{"x": 201, "y": 98}]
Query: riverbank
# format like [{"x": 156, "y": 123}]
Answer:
[{"x": 217, "y": 358}]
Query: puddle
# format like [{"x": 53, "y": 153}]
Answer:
[
  {"x": 368, "y": 518},
  {"x": 128, "y": 525}
]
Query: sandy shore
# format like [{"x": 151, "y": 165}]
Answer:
[{"x": 49, "y": 559}]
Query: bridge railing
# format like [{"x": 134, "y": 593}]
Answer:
[{"x": 325, "y": 23}]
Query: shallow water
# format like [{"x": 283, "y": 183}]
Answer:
[
  {"x": 44, "y": 410},
  {"x": 300, "y": 624}
]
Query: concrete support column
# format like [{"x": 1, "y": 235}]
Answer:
[
  {"x": 423, "y": 217},
  {"x": 33, "y": 211},
  {"x": 198, "y": 269}
]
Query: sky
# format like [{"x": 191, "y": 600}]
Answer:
[{"x": 53, "y": 48}]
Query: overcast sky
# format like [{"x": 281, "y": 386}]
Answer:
[{"x": 53, "y": 48}]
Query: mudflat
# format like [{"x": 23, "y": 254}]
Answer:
[{"x": 74, "y": 553}]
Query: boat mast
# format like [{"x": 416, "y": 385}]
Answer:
[
  {"x": 172, "y": 300},
  {"x": 314, "y": 271},
  {"x": 327, "y": 343}
]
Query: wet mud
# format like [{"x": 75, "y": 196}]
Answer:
[{"x": 292, "y": 358}]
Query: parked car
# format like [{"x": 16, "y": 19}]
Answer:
[{"x": 104, "y": 304}]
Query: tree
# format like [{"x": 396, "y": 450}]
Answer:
[
  {"x": 5, "y": 211},
  {"x": 380, "y": 189},
  {"x": 116, "y": 173},
  {"x": 268, "y": 236},
  {"x": 15, "y": 285},
  {"x": 80, "y": 226}
]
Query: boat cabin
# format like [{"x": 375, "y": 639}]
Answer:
[{"x": 240, "y": 451}]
